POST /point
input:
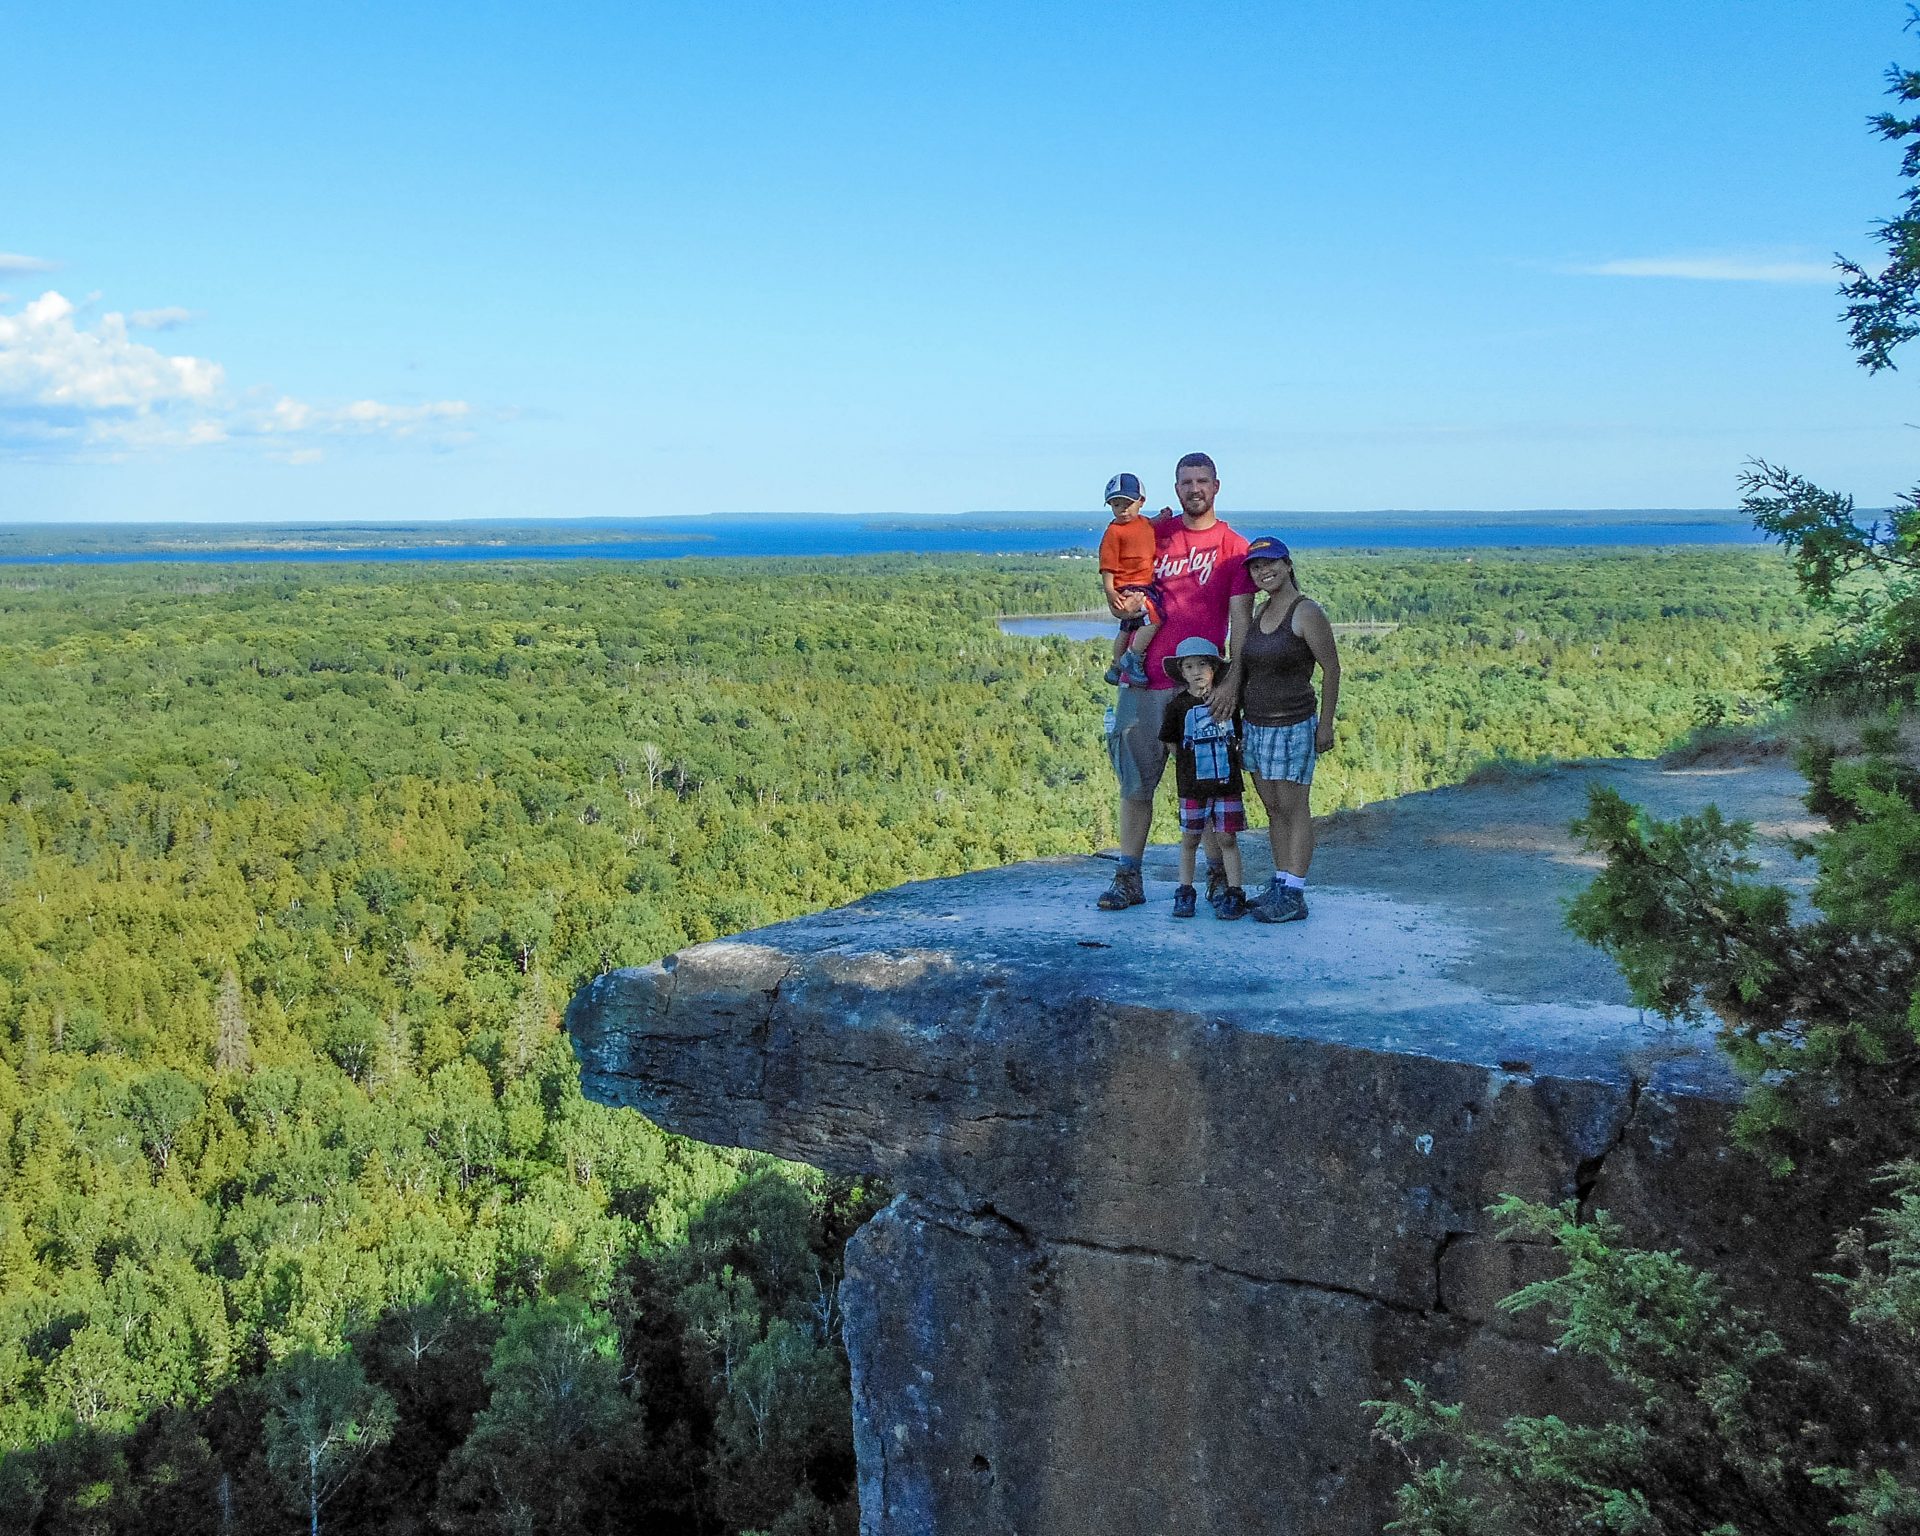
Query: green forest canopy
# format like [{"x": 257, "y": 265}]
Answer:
[{"x": 298, "y": 867}]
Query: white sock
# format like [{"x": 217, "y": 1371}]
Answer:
[{"x": 1291, "y": 881}]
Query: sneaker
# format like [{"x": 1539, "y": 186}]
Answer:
[
  {"x": 1113, "y": 676},
  {"x": 1216, "y": 884},
  {"x": 1287, "y": 906},
  {"x": 1185, "y": 898},
  {"x": 1126, "y": 891},
  {"x": 1133, "y": 671},
  {"x": 1232, "y": 904}
]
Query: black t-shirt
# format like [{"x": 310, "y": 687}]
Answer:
[{"x": 1206, "y": 762}]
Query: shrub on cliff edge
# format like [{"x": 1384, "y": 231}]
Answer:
[{"x": 1740, "y": 1415}]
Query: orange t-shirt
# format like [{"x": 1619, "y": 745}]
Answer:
[{"x": 1126, "y": 549}]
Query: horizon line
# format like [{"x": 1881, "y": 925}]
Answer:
[{"x": 535, "y": 520}]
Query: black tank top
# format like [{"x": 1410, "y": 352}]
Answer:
[{"x": 1277, "y": 686}]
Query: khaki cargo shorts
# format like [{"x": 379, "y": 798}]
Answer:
[{"x": 1134, "y": 746}]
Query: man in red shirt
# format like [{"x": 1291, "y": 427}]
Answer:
[{"x": 1205, "y": 591}]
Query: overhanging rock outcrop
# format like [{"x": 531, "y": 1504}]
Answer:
[{"x": 1174, "y": 1198}]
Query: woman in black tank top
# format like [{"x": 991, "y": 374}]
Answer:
[{"x": 1283, "y": 734}]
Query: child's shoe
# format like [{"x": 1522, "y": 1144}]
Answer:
[
  {"x": 1216, "y": 884},
  {"x": 1185, "y": 899},
  {"x": 1232, "y": 904},
  {"x": 1113, "y": 676},
  {"x": 1133, "y": 671}
]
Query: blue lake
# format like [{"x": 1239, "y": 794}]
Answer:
[
  {"x": 1072, "y": 626},
  {"x": 983, "y": 534}
]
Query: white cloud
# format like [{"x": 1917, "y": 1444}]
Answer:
[
  {"x": 288, "y": 416},
  {"x": 48, "y": 362},
  {"x": 70, "y": 389},
  {"x": 1711, "y": 269},
  {"x": 399, "y": 420},
  {"x": 12, "y": 261},
  {"x": 366, "y": 418},
  {"x": 172, "y": 317}
]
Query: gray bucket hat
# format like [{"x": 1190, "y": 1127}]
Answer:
[{"x": 1193, "y": 645}]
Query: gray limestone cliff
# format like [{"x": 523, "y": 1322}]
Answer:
[{"x": 1174, "y": 1198}]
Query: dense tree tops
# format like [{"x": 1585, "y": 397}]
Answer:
[{"x": 302, "y": 1215}]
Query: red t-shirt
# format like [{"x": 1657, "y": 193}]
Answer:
[
  {"x": 1199, "y": 575},
  {"x": 1127, "y": 550}
]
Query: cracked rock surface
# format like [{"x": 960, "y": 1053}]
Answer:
[{"x": 1176, "y": 1197}]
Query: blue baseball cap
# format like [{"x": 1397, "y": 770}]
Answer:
[
  {"x": 1266, "y": 547},
  {"x": 1124, "y": 487}
]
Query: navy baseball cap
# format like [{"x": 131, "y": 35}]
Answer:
[
  {"x": 1124, "y": 487},
  {"x": 1266, "y": 547}
]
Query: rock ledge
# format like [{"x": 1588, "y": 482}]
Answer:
[{"x": 1175, "y": 1199}]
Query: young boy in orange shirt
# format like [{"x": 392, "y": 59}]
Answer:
[{"x": 1126, "y": 573}]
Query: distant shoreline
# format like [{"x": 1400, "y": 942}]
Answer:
[{"x": 1064, "y": 534}]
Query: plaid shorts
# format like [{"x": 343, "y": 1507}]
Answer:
[
  {"x": 1280, "y": 751},
  {"x": 1228, "y": 814}
]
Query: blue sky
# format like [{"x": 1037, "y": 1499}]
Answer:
[{"x": 359, "y": 261}]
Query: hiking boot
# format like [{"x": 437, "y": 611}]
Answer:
[
  {"x": 1113, "y": 676},
  {"x": 1126, "y": 891},
  {"x": 1133, "y": 671},
  {"x": 1287, "y": 906},
  {"x": 1269, "y": 894},
  {"x": 1185, "y": 898},
  {"x": 1232, "y": 904},
  {"x": 1216, "y": 884}
]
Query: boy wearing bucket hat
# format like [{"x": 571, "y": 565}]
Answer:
[{"x": 1207, "y": 768}]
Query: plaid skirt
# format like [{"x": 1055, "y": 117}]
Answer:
[
  {"x": 1228, "y": 814},
  {"x": 1280, "y": 751}
]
